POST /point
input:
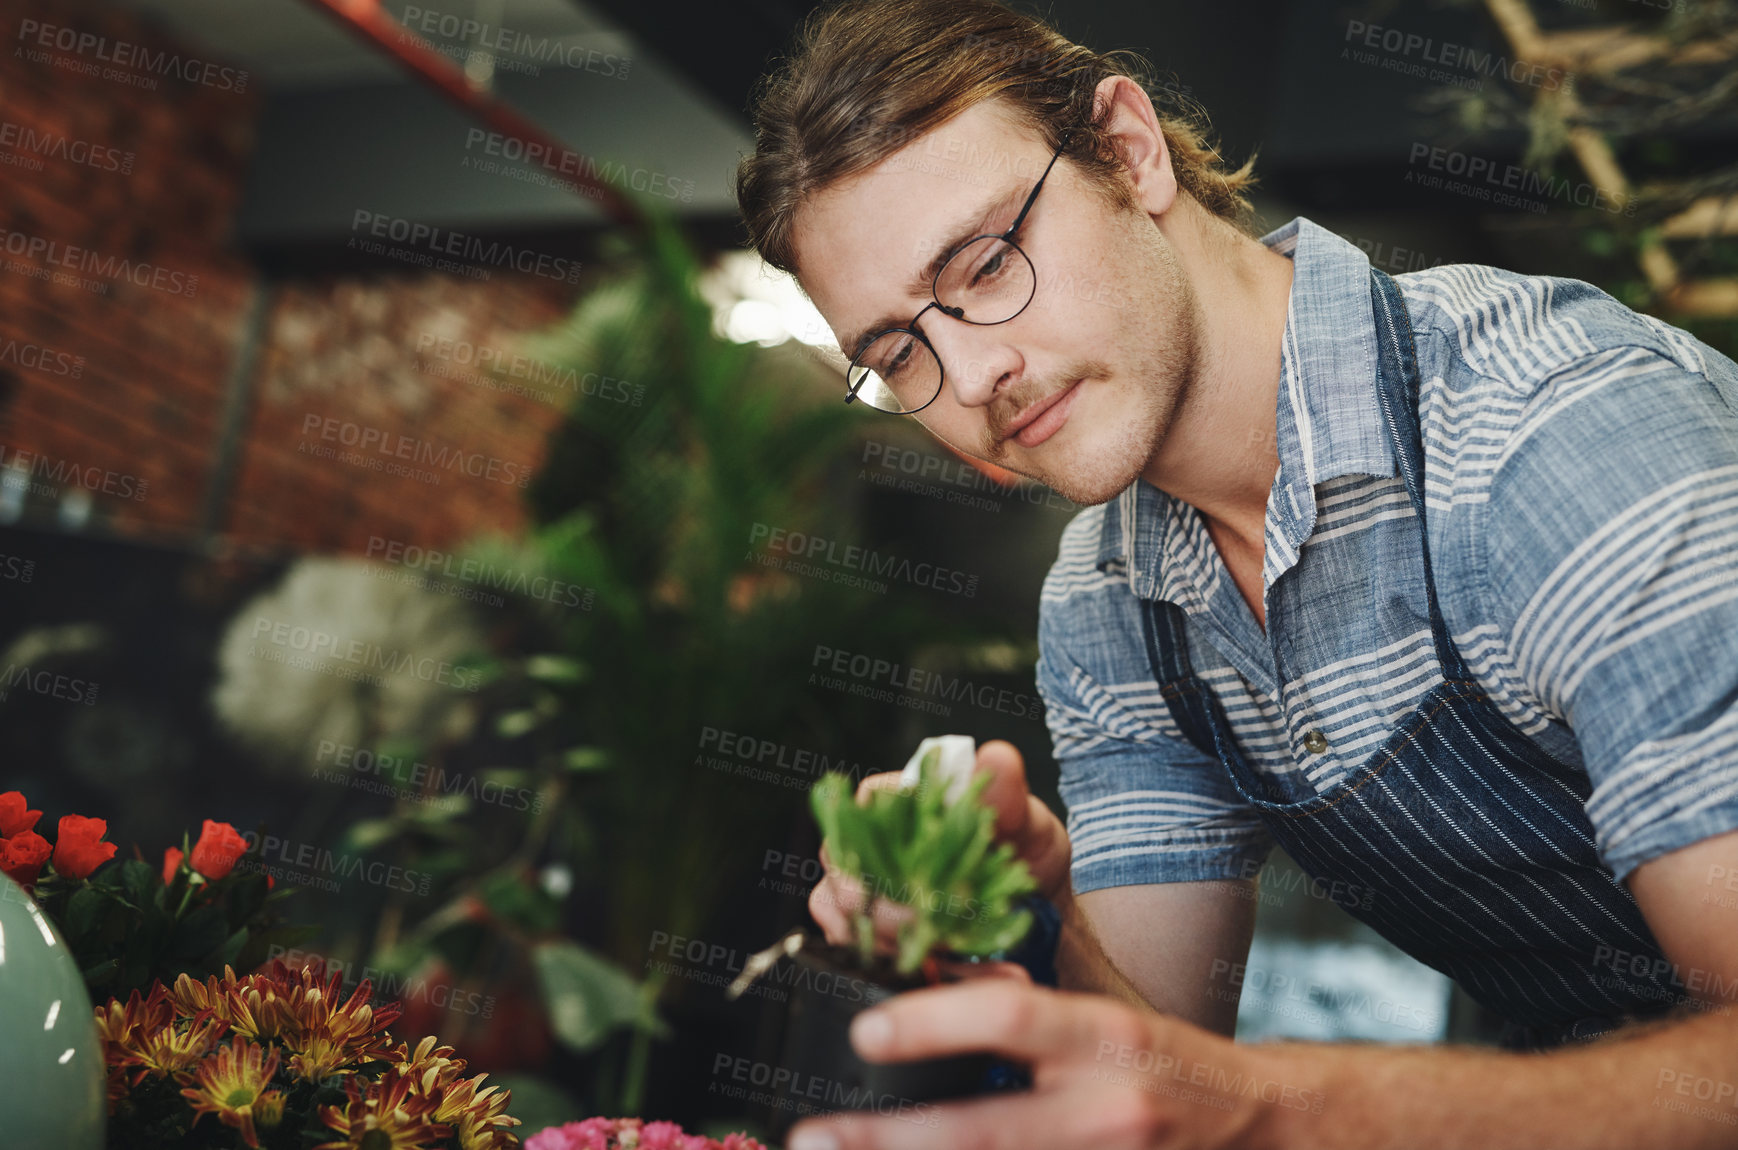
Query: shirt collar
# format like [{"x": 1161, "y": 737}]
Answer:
[{"x": 1328, "y": 417}]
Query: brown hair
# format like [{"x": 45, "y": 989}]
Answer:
[{"x": 865, "y": 79}]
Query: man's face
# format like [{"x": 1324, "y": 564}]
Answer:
[{"x": 1079, "y": 389}]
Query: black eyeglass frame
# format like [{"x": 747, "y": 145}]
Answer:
[{"x": 958, "y": 313}]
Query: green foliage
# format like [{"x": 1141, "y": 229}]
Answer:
[
  {"x": 126, "y": 928},
  {"x": 939, "y": 858},
  {"x": 650, "y": 507}
]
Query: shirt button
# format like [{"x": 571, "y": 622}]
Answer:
[{"x": 1315, "y": 742}]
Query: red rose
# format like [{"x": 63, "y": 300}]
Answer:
[
  {"x": 172, "y": 857},
  {"x": 218, "y": 847},
  {"x": 22, "y": 856},
  {"x": 79, "y": 849},
  {"x": 14, "y": 818}
]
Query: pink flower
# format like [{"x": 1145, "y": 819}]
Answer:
[
  {"x": 592, "y": 1134},
  {"x": 665, "y": 1136},
  {"x": 631, "y": 1134}
]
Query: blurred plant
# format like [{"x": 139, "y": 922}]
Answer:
[
  {"x": 285, "y": 1060},
  {"x": 130, "y": 924},
  {"x": 651, "y": 508},
  {"x": 933, "y": 853},
  {"x": 1639, "y": 102},
  {"x": 337, "y": 654}
]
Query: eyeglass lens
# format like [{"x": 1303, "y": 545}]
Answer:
[{"x": 989, "y": 281}]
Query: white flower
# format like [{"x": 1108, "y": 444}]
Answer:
[
  {"x": 343, "y": 653},
  {"x": 959, "y": 756}
]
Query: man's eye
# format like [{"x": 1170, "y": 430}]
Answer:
[
  {"x": 900, "y": 361},
  {"x": 991, "y": 267}
]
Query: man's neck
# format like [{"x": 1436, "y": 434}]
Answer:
[{"x": 1221, "y": 454}]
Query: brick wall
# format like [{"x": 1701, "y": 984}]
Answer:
[{"x": 123, "y": 156}]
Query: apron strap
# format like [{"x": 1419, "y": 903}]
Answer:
[
  {"x": 1162, "y": 627},
  {"x": 1162, "y": 622},
  {"x": 1397, "y": 387}
]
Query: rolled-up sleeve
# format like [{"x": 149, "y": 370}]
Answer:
[
  {"x": 1612, "y": 576},
  {"x": 1144, "y": 805}
]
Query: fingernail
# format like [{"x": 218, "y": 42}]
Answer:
[
  {"x": 870, "y": 1031},
  {"x": 814, "y": 1139}
]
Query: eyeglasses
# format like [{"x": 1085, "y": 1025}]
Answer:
[{"x": 986, "y": 280}]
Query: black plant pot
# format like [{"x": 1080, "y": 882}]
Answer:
[{"x": 819, "y": 1072}]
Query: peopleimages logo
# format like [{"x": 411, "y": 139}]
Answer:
[
  {"x": 366, "y": 770},
  {"x": 379, "y": 449},
  {"x": 498, "y": 41},
  {"x": 55, "y": 146},
  {"x": 65, "y": 473},
  {"x": 862, "y": 675},
  {"x": 124, "y": 54},
  {"x": 36, "y": 357},
  {"x": 1482, "y": 178},
  {"x": 567, "y": 162},
  {"x": 427, "y": 560},
  {"x": 310, "y": 865},
  {"x": 318, "y": 645},
  {"x": 105, "y": 267},
  {"x": 802, "y": 554},
  {"x": 434, "y": 241}
]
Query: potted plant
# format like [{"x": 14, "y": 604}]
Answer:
[{"x": 927, "y": 847}]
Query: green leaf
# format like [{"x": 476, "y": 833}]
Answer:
[
  {"x": 588, "y": 997},
  {"x": 555, "y": 669},
  {"x": 512, "y": 724},
  {"x": 139, "y": 879},
  {"x": 937, "y": 857},
  {"x": 370, "y": 833},
  {"x": 101, "y": 973},
  {"x": 200, "y": 933},
  {"x": 226, "y": 955},
  {"x": 85, "y": 911},
  {"x": 585, "y": 758}
]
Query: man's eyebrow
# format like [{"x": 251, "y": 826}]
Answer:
[{"x": 971, "y": 227}]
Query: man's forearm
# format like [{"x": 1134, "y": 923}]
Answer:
[
  {"x": 1665, "y": 1086},
  {"x": 1081, "y": 963}
]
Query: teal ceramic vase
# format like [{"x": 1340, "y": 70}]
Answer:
[{"x": 51, "y": 1061}]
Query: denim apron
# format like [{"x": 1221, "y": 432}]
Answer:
[{"x": 1475, "y": 845}]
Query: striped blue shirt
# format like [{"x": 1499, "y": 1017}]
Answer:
[{"x": 1582, "y": 509}]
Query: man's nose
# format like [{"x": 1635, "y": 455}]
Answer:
[{"x": 978, "y": 361}]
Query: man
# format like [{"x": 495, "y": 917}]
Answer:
[{"x": 1432, "y": 581}]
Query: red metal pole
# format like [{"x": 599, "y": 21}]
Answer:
[{"x": 369, "y": 21}]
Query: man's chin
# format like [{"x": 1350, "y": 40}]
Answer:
[{"x": 1085, "y": 490}]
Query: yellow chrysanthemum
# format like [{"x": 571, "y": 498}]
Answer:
[
  {"x": 389, "y": 1116},
  {"x": 120, "y": 1024},
  {"x": 232, "y": 1084},
  {"x": 479, "y": 1115},
  {"x": 328, "y": 1035},
  {"x": 176, "y": 1049}
]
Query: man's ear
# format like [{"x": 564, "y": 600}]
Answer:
[{"x": 1133, "y": 127}]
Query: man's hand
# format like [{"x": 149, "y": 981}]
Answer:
[
  {"x": 1038, "y": 837},
  {"x": 1105, "y": 1076}
]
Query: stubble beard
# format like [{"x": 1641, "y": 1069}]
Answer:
[{"x": 1157, "y": 384}]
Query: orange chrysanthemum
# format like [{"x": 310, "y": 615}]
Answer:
[
  {"x": 389, "y": 1115},
  {"x": 233, "y": 1084},
  {"x": 478, "y": 1113},
  {"x": 330, "y": 1035},
  {"x": 178, "y": 1048},
  {"x": 119, "y": 1025}
]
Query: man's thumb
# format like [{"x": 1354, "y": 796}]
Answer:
[{"x": 1006, "y": 793}]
